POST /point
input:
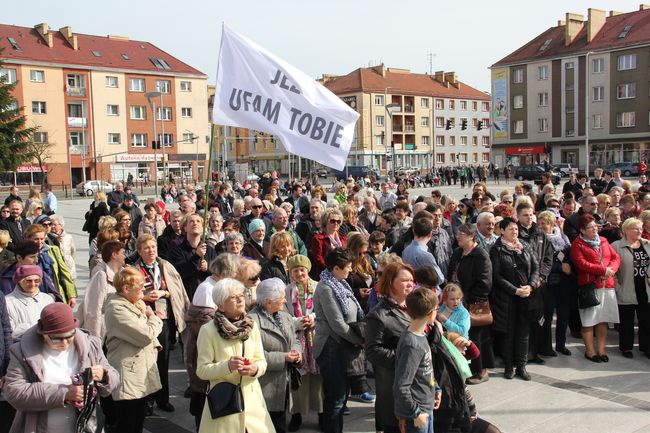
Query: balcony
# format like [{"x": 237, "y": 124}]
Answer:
[
  {"x": 398, "y": 128},
  {"x": 75, "y": 91},
  {"x": 409, "y": 128},
  {"x": 409, "y": 109},
  {"x": 79, "y": 149},
  {"x": 77, "y": 122}
]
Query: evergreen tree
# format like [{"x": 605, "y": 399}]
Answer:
[{"x": 14, "y": 136}]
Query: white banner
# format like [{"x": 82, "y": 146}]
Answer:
[{"x": 257, "y": 90}]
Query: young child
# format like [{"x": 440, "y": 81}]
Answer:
[
  {"x": 415, "y": 390},
  {"x": 452, "y": 313},
  {"x": 376, "y": 244}
]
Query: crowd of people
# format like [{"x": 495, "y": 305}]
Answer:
[{"x": 287, "y": 306}]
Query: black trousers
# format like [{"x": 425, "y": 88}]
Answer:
[
  {"x": 131, "y": 415},
  {"x": 515, "y": 340},
  {"x": 279, "y": 420},
  {"x": 7, "y": 414},
  {"x": 556, "y": 299},
  {"x": 164, "y": 338},
  {"x": 626, "y": 326},
  {"x": 482, "y": 337}
]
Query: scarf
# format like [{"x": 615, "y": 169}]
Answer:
[
  {"x": 516, "y": 246},
  {"x": 595, "y": 244},
  {"x": 558, "y": 240},
  {"x": 229, "y": 330},
  {"x": 342, "y": 291}
]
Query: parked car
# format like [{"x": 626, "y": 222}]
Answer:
[
  {"x": 355, "y": 171},
  {"x": 534, "y": 173},
  {"x": 322, "y": 172},
  {"x": 565, "y": 169},
  {"x": 408, "y": 171},
  {"x": 92, "y": 186},
  {"x": 627, "y": 168}
]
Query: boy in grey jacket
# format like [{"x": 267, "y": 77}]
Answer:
[{"x": 415, "y": 390}]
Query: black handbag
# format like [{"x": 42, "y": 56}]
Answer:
[
  {"x": 587, "y": 292},
  {"x": 225, "y": 398},
  {"x": 295, "y": 378}
]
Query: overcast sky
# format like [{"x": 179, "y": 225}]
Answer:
[{"x": 332, "y": 37}]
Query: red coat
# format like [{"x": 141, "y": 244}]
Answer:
[
  {"x": 320, "y": 246},
  {"x": 586, "y": 260}
]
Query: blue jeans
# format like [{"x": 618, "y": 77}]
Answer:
[
  {"x": 406, "y": 425},
  {"x": 335, "y": 386}
]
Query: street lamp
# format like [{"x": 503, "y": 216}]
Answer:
[
  {"x": 152, "y": 104},
  {"x": 587, "y": 71},
  {"x": 390, "y": 109}
]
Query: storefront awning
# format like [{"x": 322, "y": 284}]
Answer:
[{"x": 525, "y": 150}]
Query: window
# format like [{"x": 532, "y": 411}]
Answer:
[
  {"x": 36, "y": 76},
  {"x": 625, "y": 31},
  {"x": 625, "y": 62},
  {"x": 163, "y": 86},
  {"x": 486, "y": 157},
  {"x": 519, "y": 126},
  {"x": 452, "y": 104},
  {"x": 113, "y": 138},
  {"x": 379, "y": 140},
  {"x": 113, "y": 110},
  {"x": 186, "y": 112},
  {"x": 424, "y": 140},
  {"x": 597, "y": 121},
  {"x": 474, "y": 158},
  {"x": 518, "y": 76},
  {"x": 75, "y": 110},
  {"x": 76, "y": 81},
  {"x": 186, "y": 86},
  {"x": 167, "y": 139},
  {"x": 7, "y": 76},
  {"x": 545, "y": 45},
  {"x": 475, "y": 122},
  {"x": 440, "y": 158},
  {"x": 518, "y": 102},
  {"x": 485, "y": 106},
  {"x": 136, "y": 84},
  {"x": 542, "y": 99},
  {"x": 379, "y": 99},
  {"x": 452, "y": 140},
  {"x": 440, "y": 104},
  {"x": 96, "y": 53},
  {"x": 626, "y": 91},
  {"x": 463, "y": 140},
  {"x": 598, "y": 93},
  {"x": 164, "y": 112},
  {"x": 14, "y": 44},
  {"x": 452, "y": 158},
  {"x": 424, "y": 121},
  {"x": 138, "y": 112},
  {"x": 463, "y": 105},
  {"x": 462, "y": 158},
  {"x": 485, "y": 140},
  {"x": 38, "y": 107},
  {"x": 543, "y": 125},
  {"x": 424, "y": 102},
  {"x": 125, "y": 56},
  {"x": 440, "y": 122},
  {"x": 568, "y": 65},
  {"x": 379, "y": 120},
  {"x": 189, "y": 138},
  {"x": 626, "y": 119},
  {"x": 542, "y": 72},
  {"x": 159, "y": 63},
  {"x": 139, "y": 140},
  {"x": 77, "y": 138},
  {"x": 40, "y": 137},
  {"x": 598, "y": 65},
  {"x": 111, "y": 81},
  {"x": 440, "y": 140},
  {"x": 474, "y": 105},
  {"x": 474, "y": 140}
]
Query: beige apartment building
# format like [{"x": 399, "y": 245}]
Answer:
[
  {"x": 576, "y": 93},
  {"x": 93, "y": 99}
]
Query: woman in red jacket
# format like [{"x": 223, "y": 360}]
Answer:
[
  {"x": 328, "y": 238},
  {"x": 596, "y": 262}
]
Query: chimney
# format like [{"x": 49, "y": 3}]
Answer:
[
  {"x": 440, "y": 76},
  {"x": 643, "y": 7},
  {"x": 450, "y": 77},
  {"x": 614, "y": 13},
  {"x": 381, "y": 70},
  {"x": 66, "y": 32},
  {"x": 44, "y": 31},
  {"x": 595, "y": 21},
  {"x": 574, "y": 23},
  {"x": 560, "y": 23}
]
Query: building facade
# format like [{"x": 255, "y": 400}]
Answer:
[
  {"x": 97, "y": 101},
  {"x": 577, "y": 93}
]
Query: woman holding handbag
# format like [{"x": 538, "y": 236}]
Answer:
[
  {"x": 596, "y": 263},
  {"x": 470, "y": 267}
]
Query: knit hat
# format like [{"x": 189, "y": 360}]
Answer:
[
  {"x": 256, "y": 224},
  {"x": 298, "y": 261},
  {"x": 161, "y": 205},
  {"x": 25, "y": 271},
  {"x": 57, "y": 318}
]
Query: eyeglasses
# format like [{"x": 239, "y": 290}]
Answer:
[
  {"x": 237, "y": 298},
  {"x": 335, "y": 221},
  {"x": 61, "y": 338},
  {"x": 257, "y": 207},
  {"x": 32, "y": 280},
  {"x": 255, "y": 278},
  {"x": 46, "y": 224},
  {"x": 507, "y": 201}
]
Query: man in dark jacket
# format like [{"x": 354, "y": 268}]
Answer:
[
  {"x": 598, "y": 183},
  {"x": 129, "y": 207},
  {"x": 116, "y": 197},
  {"x": 590, "y": 206},
  {"x": 257, "y": 210},
  {"x": 171, "y": 233},
  {"x": 13, "y": 195},
  {"x": 225, "y": 200},
  {"x": 298, "y": 200},
  {"x": 15, "y": 224},
  {"x": 307, "y": 226}
]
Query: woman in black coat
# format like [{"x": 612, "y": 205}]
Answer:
[
  {"x": 280, "y": 249},
  {"x": 98, "y": 209},
  {"x": 470, "y": 267},
  {"x": 515, "y": 275},
  {"x": 7, "y": 412},
  {"x": 384, "y": 325}
]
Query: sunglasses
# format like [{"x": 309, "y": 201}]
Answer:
[
  {"x": 61, "y": 338},
  {"x": 255, "y": 278},
  {"x": 256, "y": 207},
  {"x": 335, "y": 221}
]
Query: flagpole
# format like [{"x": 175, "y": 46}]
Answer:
[{"x": 208, "y": 172}]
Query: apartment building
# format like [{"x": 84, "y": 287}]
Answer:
[
  {"x": 415, "y": 120},
  {"x": 98, "y": 99},
  {"x": 577, "y": 93}
]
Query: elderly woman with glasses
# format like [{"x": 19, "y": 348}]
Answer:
[
  {"x": 43, "y": 381},
  {"x": 596, "y": 263},
  {"x": 281, "y": 348},
  {"x": 230, "y": 350},
  {"x": 327, "y": 239},
  {"x": 633, "y": 288},
  {"x": 234, "y": 243},
  {"x": 249, "y": 275},
  {"x": 26, "y": 301},
  {"x": 611, "y": 230}
]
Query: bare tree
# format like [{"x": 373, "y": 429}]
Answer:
[{"x": 39, "y": 149}]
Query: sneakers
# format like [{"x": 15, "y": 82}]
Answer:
[{"x": 366, "y": 397}]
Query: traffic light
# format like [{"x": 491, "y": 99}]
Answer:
[
  {"x": 155, "y": 144},
  {"x": 392, "y": 144},
  {"x": 480, "y": 125},
  {"x": 448, "y": 125},
  {"x": 463, "y": 124}
]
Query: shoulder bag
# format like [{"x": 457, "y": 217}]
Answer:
[
  {"x": 587, "y": 292},
  {"x": 480, "y": 313},
  {"x": 226, "y": 398}
]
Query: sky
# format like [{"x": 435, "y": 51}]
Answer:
[{"x": 325, "y": 37}]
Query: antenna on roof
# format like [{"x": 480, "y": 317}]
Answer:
[{"x": 430, "y": 57}]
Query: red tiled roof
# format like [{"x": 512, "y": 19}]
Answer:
[
  {"x": 35, "y": 49},
  {"x": 405, "y": 83},
  {"x": 606, "y": 39}
]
